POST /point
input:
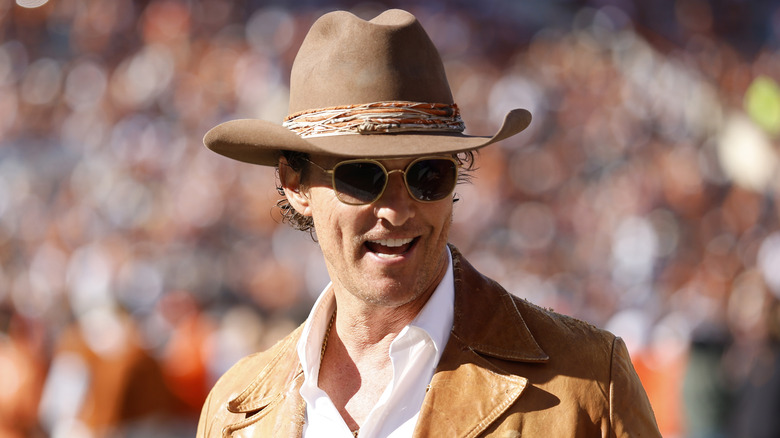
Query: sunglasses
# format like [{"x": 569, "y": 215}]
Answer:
[{"x": 360, "y": 182}]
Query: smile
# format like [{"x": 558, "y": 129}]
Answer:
[{"x": 388, "y": 248}]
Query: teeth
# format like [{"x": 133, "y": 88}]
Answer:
[{"x": 392, "y": 243}]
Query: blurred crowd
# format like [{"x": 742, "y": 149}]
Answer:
[{"x": 136, "y": 266}]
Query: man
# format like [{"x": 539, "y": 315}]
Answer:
[{"x": 408, "y": 339}]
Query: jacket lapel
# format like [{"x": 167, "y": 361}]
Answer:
[
  {"x": 272, "y": 404},
  {"x": 465, "y": 398},
  {"x": 470, "y": 390}
]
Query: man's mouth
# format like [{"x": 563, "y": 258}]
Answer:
[{"x": 390, "y": 247}]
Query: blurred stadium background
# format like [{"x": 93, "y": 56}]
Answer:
[{"x": 136, "y": 266}]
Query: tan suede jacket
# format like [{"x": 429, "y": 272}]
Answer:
[{"x": 510, "y": 369}]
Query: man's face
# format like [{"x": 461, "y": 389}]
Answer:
[{"x": 389, "y": 253}]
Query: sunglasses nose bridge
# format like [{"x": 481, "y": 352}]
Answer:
[
  {"x": 403, "y": 181},
  {"x": 390, "y": 172}
]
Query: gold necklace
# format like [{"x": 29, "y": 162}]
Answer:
[
  {"x": 327, "y": 334},
  {"x": 322, "y": 354}
]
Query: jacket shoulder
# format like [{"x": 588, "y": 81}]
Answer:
[
  {"x": 258, "y": 373},
  {"x": 247, "y": 369},
  {"x": 571, "y": 343},
  {"x": 513, "y": 328},
  {"x": 568, "y": 326}
]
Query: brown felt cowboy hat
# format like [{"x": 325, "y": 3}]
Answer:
[{"x": 362, "y": 89}]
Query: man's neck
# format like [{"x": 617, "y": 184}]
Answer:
[
  {"x": 363, "y": 326},
  {"x": 356, "y": 366}
]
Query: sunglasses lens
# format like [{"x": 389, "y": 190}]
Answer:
[
  {"x": 358, "y": 182},
  {"x": 432, "y": 179}
]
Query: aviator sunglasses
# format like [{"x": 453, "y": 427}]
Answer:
[{"x": 361, "y": 181}]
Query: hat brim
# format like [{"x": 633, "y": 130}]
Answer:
[{"x": 261, "y": 142}]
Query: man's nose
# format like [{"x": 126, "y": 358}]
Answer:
[{"x": 395, "y": 205}]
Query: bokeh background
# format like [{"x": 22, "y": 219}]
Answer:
[{"x": 136, "y": 266}]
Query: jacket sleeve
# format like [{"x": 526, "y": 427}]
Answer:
[{"x": 630, "y": 413}]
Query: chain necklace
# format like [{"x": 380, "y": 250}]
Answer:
[
  {"x": 327, "y": 334},
  {"x": 322, "y": 354}
]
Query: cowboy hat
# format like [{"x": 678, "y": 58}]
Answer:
[{"x": 362, "y": 89}]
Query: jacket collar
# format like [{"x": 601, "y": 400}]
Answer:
[
  {"x": 271, "y": 404},
  {"x": 476, "y": 303},
  {"x": 469, "y": 389},
  {"x": 271, "y": 381}
]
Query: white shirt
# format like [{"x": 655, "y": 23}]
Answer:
[{"x": 414, "y": 354}]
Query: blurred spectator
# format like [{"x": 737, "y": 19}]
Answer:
[
  {"x": 758, "y": 386},
  {"x": 101, "y": 382},
  {"x": 22, "y": 367}
]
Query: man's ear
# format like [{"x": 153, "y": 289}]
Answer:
[{"x": 293, "y": 188}]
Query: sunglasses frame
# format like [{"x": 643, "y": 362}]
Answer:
[{"x": 387, "y": 173}]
